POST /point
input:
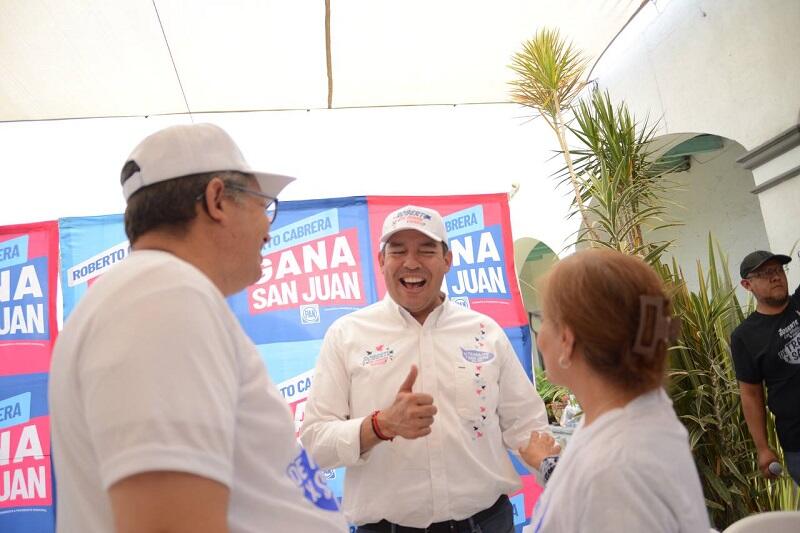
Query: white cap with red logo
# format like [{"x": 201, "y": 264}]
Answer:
[{"x": 427, "y": 221}]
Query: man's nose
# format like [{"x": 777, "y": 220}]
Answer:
[{"x": 411, "y": 262}]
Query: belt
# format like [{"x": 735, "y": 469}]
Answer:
[{"x": 447, "y": 526}]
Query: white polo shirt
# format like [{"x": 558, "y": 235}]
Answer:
[{"x": 486, "y": 405}]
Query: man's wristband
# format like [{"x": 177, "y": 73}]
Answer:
[{"x": 376, "y": 428}]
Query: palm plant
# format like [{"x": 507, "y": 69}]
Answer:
[
  {"x": 550, "y": 393},
  {"x": 620, "y": 181},
  {"x": 705, "y": 394},
  {"x": 550, "y": 72},
  {"x": 619, "y": 193}
]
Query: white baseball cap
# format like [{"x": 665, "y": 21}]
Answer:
[
  {"x": 184, "y": 150},
  {"x": 421, "y": 219}
]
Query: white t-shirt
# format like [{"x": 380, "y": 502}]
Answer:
[
  {"x": 630, "y": 470},
  {"x": 153, "y": 373},
  {"x": 486, "y": 405}
]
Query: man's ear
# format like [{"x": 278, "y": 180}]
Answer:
[
  {"x": 381, "y": 257},
  {"x": 213, "y": 196},
  {"x": 448, "y": 259},
  {"x": 746, "y": 284}
]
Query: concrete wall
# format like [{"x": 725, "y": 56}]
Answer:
[
  {"x": 714, "y": 196},
  {"x": 778, "y": 186},
  {"x": 728, "y": 68}
]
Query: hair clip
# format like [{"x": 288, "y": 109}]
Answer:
[{"x": 654, "y": 327}]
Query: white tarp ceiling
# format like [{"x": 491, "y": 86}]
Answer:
[{"x": 99, "y": 58}]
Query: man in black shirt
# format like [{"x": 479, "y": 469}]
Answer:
[{"x": 766, "y": 351}]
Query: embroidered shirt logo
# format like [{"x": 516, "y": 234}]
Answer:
[
  {"x": 476, "y": 356},
  {"x": 381, "y": 355}
]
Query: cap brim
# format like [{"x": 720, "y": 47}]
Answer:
[
  {"x": 272, "y": 184},
  {"x": 398, "y": 230},
  {"x": 780, "y": 257}
]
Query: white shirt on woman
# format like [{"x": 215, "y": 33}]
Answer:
[{"x": 630, "y": 470}]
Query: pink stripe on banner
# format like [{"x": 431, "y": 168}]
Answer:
[
  {"x": 24, "y": 357},
  {"x": 27, "y": 480},
  {"x": 532, "y": 491}
]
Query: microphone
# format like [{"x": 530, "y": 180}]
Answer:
[{"x": 775, "y": 468}]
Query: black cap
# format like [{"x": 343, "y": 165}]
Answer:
[{"x": 755, "y": 259}]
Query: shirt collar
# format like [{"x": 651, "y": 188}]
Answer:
[{"x": 433, "y": 318}]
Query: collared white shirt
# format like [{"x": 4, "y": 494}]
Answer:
[{"x": 486, "y": 405}]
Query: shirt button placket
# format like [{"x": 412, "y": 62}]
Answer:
[{"x": 430, "y": 385}]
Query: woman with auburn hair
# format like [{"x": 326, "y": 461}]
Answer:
[{"x": 606, "y": 328}]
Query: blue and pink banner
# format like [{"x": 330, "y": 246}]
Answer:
[
  {"x": 320, "y": 264},
  {"x": 89, "y": 247},
  {"x": 28, "y": 277}
]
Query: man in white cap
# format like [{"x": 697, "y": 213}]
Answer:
[
  {"x": 387, "y": 372},
  {"x": 163, "y": 416}
]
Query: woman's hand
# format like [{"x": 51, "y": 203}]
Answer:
[{"x": 539, "y": 446}]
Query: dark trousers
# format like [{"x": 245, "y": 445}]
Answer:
[{"x": 499, "y": 518}]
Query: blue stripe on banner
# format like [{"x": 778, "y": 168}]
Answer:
[
  {"x": 14, "y": 251},
  {"x": 518, "y": 503},
  {"x": 24, "y": 313},
  {"x": 89, "y": 246},
  {"x": 286, "y": 360},
  {"x": 313, "y": 227},
  {"x": 32, "y": 385},
  {"x": 520, "y": 338},
  {"x": 15, "y": 410},
  {"x": 465, "y": 221},
  {"x": 478, "y": 269}
]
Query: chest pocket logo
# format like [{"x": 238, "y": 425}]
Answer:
[
  {"x": 378, "y": 356},
  {"x": 476, "y": 356}
]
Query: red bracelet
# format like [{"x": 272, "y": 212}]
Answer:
[{"x": 376, "y": 429}]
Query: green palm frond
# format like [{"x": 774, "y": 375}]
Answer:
[
  {"x": 549, "y": 77},
  {"x": 549, "y": 73},
  {"x": 619, "y": 183}
]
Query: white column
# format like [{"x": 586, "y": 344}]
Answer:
[{"x": 776, "y": 172}]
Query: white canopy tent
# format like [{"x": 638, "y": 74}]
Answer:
[
  {"x": 259, "y": 69},
  {"x": 95, "y": 58}
]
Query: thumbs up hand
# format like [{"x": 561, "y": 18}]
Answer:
[{"x": 411, "y": 414}]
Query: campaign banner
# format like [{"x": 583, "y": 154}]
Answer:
[
  {"x": 315, "y": 269},
  {"x": 26, "y": 471},
  {"x": 28, "y": 329},
  {"x": 90, "y": 246},
  {"x": 482, "y": 275},
  {"x": 28, "y": 270}
]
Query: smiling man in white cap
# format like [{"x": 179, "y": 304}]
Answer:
[
  {"x": 387, "y": 372},
  {"x": 164, "y": 418}
]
